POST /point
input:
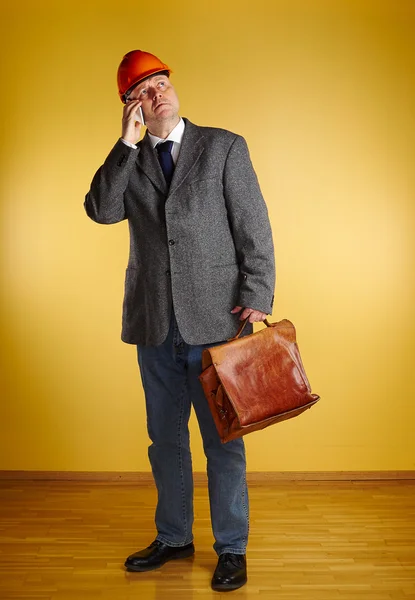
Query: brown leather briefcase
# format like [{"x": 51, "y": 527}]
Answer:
[{"x": 254, "y": 381}]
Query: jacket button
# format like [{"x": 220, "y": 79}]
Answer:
[{"x": 171, "y": 242}]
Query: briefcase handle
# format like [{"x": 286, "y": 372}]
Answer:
[{"x": 242, "y": 327}]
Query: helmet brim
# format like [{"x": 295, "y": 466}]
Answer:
[{"x": 124, "y": 97}]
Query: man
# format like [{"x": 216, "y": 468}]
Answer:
[{"x": 201, "y": 259}]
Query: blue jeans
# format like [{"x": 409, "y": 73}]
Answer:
[{"x": 169, "y": 374}]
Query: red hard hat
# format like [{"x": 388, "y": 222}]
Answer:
[{"x": 136, "y": 66}]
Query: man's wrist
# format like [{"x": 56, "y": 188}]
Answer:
[{"x": 129, "y": 144}]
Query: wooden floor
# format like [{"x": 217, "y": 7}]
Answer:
[{"x": 309, "y": 541}]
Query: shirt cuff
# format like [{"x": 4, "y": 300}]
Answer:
[{"x": 129, "y": 144}]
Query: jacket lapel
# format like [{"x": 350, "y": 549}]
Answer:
[
  {"x": 191, "y": 150},
  {"x": 148, "y": 162}
]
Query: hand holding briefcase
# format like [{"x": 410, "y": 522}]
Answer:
[{"x": 256, "y": 380}]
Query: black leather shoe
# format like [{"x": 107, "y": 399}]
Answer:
[
  {"x": 156, "y": 555},
  {"x": 230, "y": 573}
]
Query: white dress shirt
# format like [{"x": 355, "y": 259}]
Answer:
[{"x": 175, "y": 136}]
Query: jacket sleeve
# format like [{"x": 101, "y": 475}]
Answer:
[
  {"x": 104, "y": 203},
  {"x": 251, "y": 229}
]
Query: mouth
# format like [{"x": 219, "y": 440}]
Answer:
[{"x": 160, "y": 104}]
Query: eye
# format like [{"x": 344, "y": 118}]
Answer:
[
  {"x": 143, "y": 92},
  {"x": 162, "y": 83}
]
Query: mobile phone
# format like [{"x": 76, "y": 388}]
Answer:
[{"x": 140, "y": 115}]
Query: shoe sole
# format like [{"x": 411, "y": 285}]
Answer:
[
  {"x": 226, "y": 587},
  {"x": 183, "y": 554}
]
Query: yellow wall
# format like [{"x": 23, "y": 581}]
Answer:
[{"x": 324, "y": 93}]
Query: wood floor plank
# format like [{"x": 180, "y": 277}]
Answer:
[{"x": 323, "y": 541}]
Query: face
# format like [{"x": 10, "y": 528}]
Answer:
[{"x": 158, "y": 98}]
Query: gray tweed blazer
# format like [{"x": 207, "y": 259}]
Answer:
[{"x": 202, "y": 246}]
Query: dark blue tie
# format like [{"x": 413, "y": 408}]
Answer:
[{"x": 166, "y": 160}]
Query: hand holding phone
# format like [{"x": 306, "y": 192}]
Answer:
[{"x": 132, "y": 121}]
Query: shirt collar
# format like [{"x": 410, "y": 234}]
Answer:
[{"x": 175, "y": 136}]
